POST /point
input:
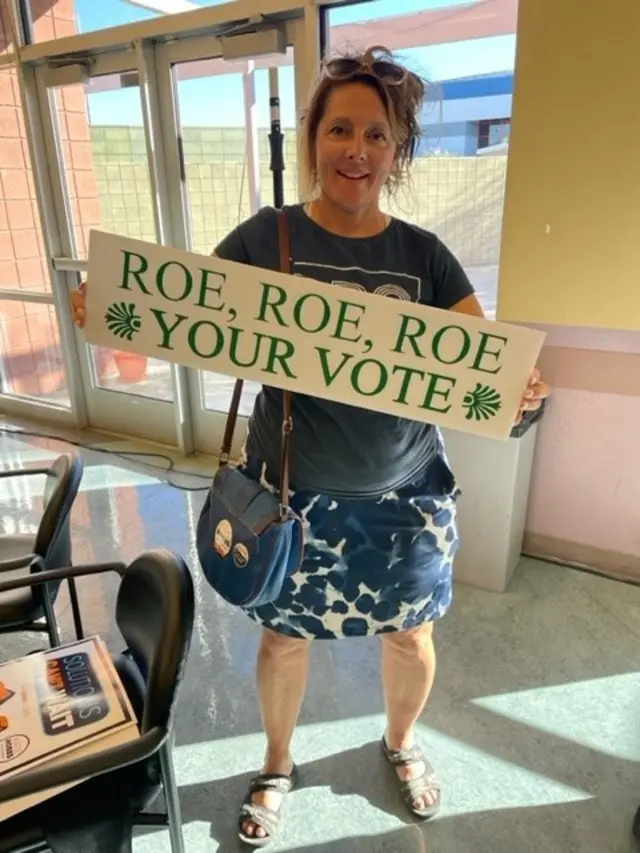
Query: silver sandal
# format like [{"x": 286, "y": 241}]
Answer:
[
  {"x": 413, "y": 789},
  {"x": 267, "y": 819}
]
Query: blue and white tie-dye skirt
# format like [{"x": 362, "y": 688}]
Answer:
[{"x": 370, "y": 566}]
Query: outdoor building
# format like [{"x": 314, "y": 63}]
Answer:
[{"x": 469, "y": 114}]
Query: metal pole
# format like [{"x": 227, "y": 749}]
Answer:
[
  {"x": 275, "y": 140},
  {"x": 252, "y": 147}
]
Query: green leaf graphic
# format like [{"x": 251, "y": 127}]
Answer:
[
  {"x": 482, "y": 403},
  {"x": 122, "y": 319}
]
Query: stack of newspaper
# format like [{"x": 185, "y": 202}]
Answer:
[{"x": 58, "y": 705}]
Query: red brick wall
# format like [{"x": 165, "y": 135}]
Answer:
[{"x": 29, "y": 340}]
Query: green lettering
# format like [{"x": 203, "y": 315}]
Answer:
[
  {"x": 434, "y": 391},
  {"x": 324, "y": 319},
  {"x": 127, "y": 271},
  {"x": 379, "y": 370},
  {"x": 280, "y": 357},
  {"x": 164, "y": 328},
  {"x": 464, "y": 346},
  {"x": 204, "y": 289},
  {"x": 406, "y": 334},
  {"x": 409, "y": 373},
  {"x": 482, "y": 351},
  {"x": 281, "y": 298},
  {"x": 343, "y": 319},
  {"x": 233, "y": 347},
  {"x": 198, "y": 346},
  {"x": 187, "y": 283},
  {"x": 327, "y": 375}
]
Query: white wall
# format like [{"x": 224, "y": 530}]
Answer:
[
  {"x": 451, "y": 126},
  {"x": 468, "y": 109}
]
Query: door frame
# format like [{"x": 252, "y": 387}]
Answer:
[
  {"x": 207, "y": 426},
  {"x": 150, "y": 50}
]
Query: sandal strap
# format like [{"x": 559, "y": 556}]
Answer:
[
  {"x": 261, "y": 816},
  {"x": 413, "y": 789},
  {"x": 278, "y": 782},
  {"x": 400, "y": 757},
  {"x": 404, "y": 757},
  {"x": 421, "y": 785},
  {"x": 267, "y": 819}
]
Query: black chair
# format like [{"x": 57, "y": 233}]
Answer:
[
  {"x": 636, "y": 825},
  {"x": 154, "y": 613},
  {"x": 23, "y": 554}
]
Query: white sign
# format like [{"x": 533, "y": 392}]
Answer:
[{"x": 290, "y": 332}]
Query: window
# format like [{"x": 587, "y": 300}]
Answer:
[
  {"x": 468, "y": 56},
  {"x": 493, "y": 131}
]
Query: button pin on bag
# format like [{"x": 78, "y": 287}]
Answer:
[
  {"x": 240, "y": 555},
  {"x": 223, "y": 538}
]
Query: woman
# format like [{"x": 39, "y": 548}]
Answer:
[{"x": 375, "y": 491}]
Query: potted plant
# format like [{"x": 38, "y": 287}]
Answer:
[{"x": 132, "y": 367}]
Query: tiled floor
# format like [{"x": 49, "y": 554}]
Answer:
[{"x": 534, "y": 722}]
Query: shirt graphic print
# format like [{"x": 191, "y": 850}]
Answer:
[{"x": 395, "y": 285}]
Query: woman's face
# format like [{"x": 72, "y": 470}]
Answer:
[{"x": 355, "y": 150}]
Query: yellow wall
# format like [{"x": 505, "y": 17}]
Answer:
[{"x": 571, "y": 234}]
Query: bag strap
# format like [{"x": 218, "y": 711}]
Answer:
[{"x": 287, "y": 420}]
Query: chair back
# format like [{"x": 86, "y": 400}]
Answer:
[
  {"x": 155, "y": 613},
  {"x": 53, "y": 539}
]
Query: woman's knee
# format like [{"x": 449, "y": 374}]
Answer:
[
  {"x": 275, "y": 644},
  {"x": 413, "y": 641}
]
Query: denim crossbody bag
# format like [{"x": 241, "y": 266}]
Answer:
[{"x": 248, "y": 538}]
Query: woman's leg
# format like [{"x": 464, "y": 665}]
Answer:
[
  {"x": 283, "y": 665},
  {"x": 408, "y": 671}
]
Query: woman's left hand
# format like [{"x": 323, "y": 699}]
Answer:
[{"x": 535, "y": 393}]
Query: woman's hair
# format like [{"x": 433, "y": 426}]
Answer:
[{"x": 402, "y": 92}]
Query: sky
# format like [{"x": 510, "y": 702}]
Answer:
[{"x": 218, "y": 101}]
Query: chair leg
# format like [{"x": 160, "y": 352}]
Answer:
[
  {"x": 172, "y": 798},
  {"x": 50, "y": 616},
  {"x": 75, "y": 609}
]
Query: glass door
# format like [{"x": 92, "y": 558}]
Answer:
[
  {"x": 221, "y": 150},
  {"x": 35, "y": 371},
  {"x": 164, "y": 139},
  {"x": 103, "y": 178},
  {"x": 222, "y": 121}
]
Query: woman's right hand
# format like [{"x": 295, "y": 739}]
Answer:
[{"x": 77, "y": 302}]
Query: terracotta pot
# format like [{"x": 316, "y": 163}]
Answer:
[{"x": 131, "y": 366}]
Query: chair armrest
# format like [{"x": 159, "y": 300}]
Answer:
[
  {"x": 24, "y": 472},
  {"x": 62, "y": 574},
  {"x": 21, "y": 562},
  {"x": 80, "y": 769}
]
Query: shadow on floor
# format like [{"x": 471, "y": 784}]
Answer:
[{"x": 565, "y": 827}]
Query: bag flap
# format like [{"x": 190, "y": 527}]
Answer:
[{"x": 245, "y": 499}]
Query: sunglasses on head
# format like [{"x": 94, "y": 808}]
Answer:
[{"x": 383, "y": 69}]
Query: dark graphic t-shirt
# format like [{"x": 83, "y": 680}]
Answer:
[{"x": 337, "y": 449}]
